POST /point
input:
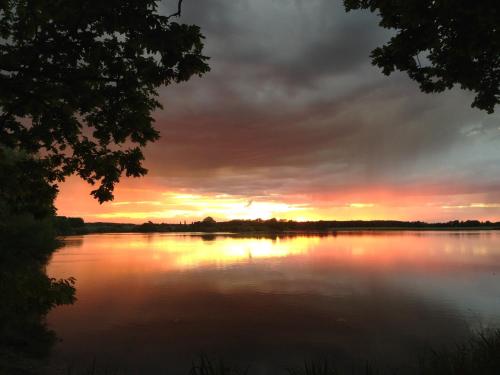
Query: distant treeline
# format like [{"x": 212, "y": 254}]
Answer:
[{"x": 67, "y": 225}]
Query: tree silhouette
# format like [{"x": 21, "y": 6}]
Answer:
[
  {"x": 209, "y": 220},
  {"x": 442, "y": 43},
  {"x": 26, "y": 205},
  {"x": 79, "y": 79}
]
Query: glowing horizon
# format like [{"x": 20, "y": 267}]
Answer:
[{"x": 133, "y": 204}]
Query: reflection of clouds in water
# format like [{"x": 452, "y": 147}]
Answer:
[
  {"x": 367, "y": 249},
  {"x": 169, "y": 297},
  {"x": 260, "y": 315},
  {"x": 473, "y": 293}
]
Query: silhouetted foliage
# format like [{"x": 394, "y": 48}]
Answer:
[
  {"x": 78, "y": 83},
  {"x": 24, "y": 187},
  {"x": 206, "y": 366},
  {"x": 314, "y": 368},
  {"x": 442, "y": 43},
  {"x": 480, "y": 355},
  {"x": 26, "y": 205},
  {"x": 69, "y": 225},
  {"x": 273, "y": 226},
  {"x": 209, "y": 220},
  {"x": 27, "y": 296},
  {"x": 25, "y": 236},
  {"x": 147, "y": 227}
]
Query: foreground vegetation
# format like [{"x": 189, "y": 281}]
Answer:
[{"x": 478, "y": 356}]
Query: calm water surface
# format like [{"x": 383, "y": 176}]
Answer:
[{"x": 153, "y": 302}]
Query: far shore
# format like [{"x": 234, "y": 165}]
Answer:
[{"x": 208, "y": 226}]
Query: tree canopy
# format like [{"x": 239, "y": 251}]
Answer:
[
  {"x": 24, "y": 188},
  {"x": 79, "y": 80},
  {"x": 442, "y": 43}
]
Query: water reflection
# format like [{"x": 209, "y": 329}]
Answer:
[
  {"x": 273, "y": 302},
  {"x": 27, "y": 296}
]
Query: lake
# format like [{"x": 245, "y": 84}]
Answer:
[{"x": 148, "y": 303}]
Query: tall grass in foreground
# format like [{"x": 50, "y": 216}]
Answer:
[
  {"x": 205, "y": 366},
  {"x": 480, "y": 355},
  {"x": 326, "y": 368},
  {"x": 314, "y": 368}
]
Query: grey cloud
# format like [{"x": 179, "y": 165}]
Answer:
[
  {"x": 304, "y": 39},
  {"x": 293, "y": 104}
]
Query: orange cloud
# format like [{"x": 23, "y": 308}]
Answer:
[{"x": 140, "y": 200}]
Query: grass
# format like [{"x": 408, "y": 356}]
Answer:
[
  {"x": 205, "y": 366},
  {"x": 314, "y": 368},
  {"x": 480, "y": 355}
]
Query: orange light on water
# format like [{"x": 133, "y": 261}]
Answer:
[{"x": 139, "y": 253}]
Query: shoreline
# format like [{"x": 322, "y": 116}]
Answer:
[
  {"x": 331, "y": 232},
  {"x": 68, "y": 226}
]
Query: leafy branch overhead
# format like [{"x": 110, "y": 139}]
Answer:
[
  {"x": 442, "y": 43},
  {"x": 79, "y": 80}
]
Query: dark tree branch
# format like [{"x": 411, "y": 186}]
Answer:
[
  {"x": 45, "y": 74},
  {"x": 179, "y": 10},
  {"x": 71, "y": 77},
  {"x": 454, "y": 39}
]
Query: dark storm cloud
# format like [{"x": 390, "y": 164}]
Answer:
[
  {"x": 293, "y": 105},
  {"x": 296, "y": 42}
]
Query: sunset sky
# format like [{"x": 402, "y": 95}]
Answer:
[{"x": 294, "y": 122}]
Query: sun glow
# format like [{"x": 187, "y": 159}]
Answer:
[
  {"x": 143, "y": 202},
  {"x": 361, "y": 205},
  {"x": 195, "y": 206}
]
